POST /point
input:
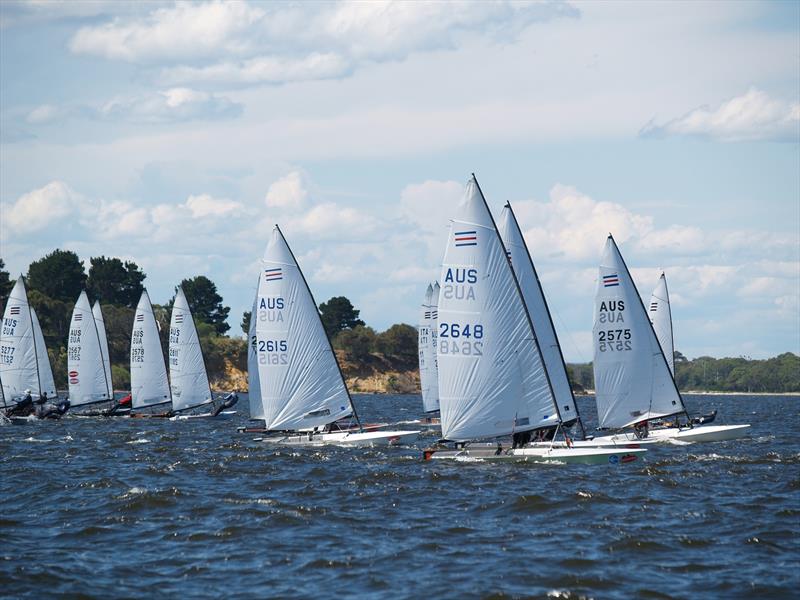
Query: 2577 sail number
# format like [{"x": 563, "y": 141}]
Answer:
[
  {"x": 457, "y": 338},
  {"x": 614, "y": 340}
]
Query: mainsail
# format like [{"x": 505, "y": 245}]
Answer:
[
  {"x": 148, "y": 374},
  {"x": 18, "y": 367},
  {"x": 187, "y": 370},
  {"x": 253, "y": 385},
  {"x": 661, "y": 318},
  {"x": 429, "y": 382},
  {"x": 100, "y": 323},
  {"x": 86, "y": 373},
  {"x": 301, "y": 384},
  {"x": 531, "y": 287},
  {"x": 632, "y": 380},
  {"x": 492, "y": 380},
  {"x": 46, "y": 382}
]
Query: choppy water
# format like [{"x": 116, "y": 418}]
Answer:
[{"x": 141, "y": 508}]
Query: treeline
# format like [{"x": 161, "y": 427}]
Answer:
[
  {"x": 54, "y": 283},
  {"x": 780, "y": 374}
]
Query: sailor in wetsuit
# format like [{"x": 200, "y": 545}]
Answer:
[{"x": 23, "y": 407}]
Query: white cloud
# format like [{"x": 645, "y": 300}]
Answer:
[
  {"x": 332, "y": 221},
  {"x": 429, "y": 205},
  {"x": 294, "y": 42},
  {"x": 288, "y": 192},
  {"x": 174, "y": 104},
  {"x": 42, "y": 114},
  {"x": 39, "y": 209},
  {"x": 184, "y": 31},
  {"x": 205, "y": 205},
  {"x": 751, "y": 116}
]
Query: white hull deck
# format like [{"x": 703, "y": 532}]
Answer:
[
  {"x": 224, "y": 415},
  {"x": 585, "y": 456},
  {"x": 699, "y": 433},
  {"x": 601, "y": 442},
  {"x": 345, "y": 438}
]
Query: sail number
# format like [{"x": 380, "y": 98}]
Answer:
[
  {"x": 273, "y": 352},
  {"x": 173, "y": 357},
  {"x": 611, "y": 340},
  {"x": 7, "y": 355},
  {"x": 457, "y": 338},
  {"x": 74, "y": 336}
]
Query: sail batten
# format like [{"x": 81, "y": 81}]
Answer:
[
  {"x": 149, "y": 385},
  {"x": 492, "y": 381},
  {"x": 301, "y": 384},
  {"x": 86, "y": 373},
  {"x": 632, "y": 379},
  {"x": 189, "y": 385}
]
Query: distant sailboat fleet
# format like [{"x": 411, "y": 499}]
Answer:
[{"x": 492, "y": 373}]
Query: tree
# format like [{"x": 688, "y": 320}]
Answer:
[
  {"x": 337, "y": 314},
  {"x": 400, "y": 341},
  {"x": 205, "y": 303},
  {"x": 113, "y": 282},
  {"x": 246, "y": 322},
  {"x": 59, "y": 275},
  {"x": 5, "y": 284},
  {"x": 358, "y": 342}
]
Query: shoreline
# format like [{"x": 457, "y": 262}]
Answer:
[{"x": 716, "y": 393}]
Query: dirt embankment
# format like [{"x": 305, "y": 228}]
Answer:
[{"x": 375, "y": 374}]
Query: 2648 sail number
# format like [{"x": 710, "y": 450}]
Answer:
[{"x": 457, "y": 338}]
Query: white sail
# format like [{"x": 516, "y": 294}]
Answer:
[
  {"x": 661, "y": 318},
  {"x": 428, "y": 377},
  {"x": 253, "y": 385},
  {"x": 100, "y": 323},
  {"x": 18, "y": 368},
  {"x": 86, "y": 373},
  {"x": 148, "y": 374},
  {"x": 632, "y": 380},
  {"x": 535, "y": 301},
  {"x": 301, "y": 384},
  {"x": 46, "y": 382},
  {"x": 187, "y": 370},
  {"x": 491, "y": 379},
  {"x": 435, "y": 339}
]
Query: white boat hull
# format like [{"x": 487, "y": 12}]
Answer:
[
  {"x": 700, "y": 433},
  {"x": 224, "y": 415},
  {"x": 348, "y": 438},
  {"x": 585, "y": 456}
]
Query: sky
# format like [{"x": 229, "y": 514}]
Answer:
[{"x": 177, "y": 135}]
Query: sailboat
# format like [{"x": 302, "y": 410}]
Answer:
[
  {"x": 493, "y": 381},
  {"x": 87, "y": 376},
  {"x": 188, "y": 375},
  {"x": 302, "y": 388},
  {"x": 149, "y": 386},
  {"x": 100, "y": 324},
  {"x": 428, "y": 369},
  {"x": 633, "y": 380},
  {"x": 24, "y": 364}
]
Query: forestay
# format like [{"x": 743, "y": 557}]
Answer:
[
  {"x": 187, "y": 370},
  {"x": 632, "y": 380},
  {"x": 661, "y": 318},
  {"x": 253, "y": 386},
  {"x": 301, "y": 384},
  {"x": 18, "y": 368},
  {"x": 429, "y": 383},
  {"x": 86, "y": 374},
  {"x": 532, "y": 292},
  {"x": 491, "y": 378},
  {"x": 148, "y": 374},
  {"x": 46, "y": 381},
  {"x": 100, "y": 323}
]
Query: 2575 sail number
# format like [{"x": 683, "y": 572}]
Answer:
[{"x": 614, "y": 340}]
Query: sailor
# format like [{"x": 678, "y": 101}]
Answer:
[
  {"x": 640, "y": 429},
  {"x": 23, "y": 407}
]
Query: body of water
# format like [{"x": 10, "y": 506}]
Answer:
[{"x": 102, "y": 508}]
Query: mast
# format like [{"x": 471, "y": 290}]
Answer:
[
  {"x": 521, "y": 296},
  {"x": 330, "y": 345},
  {"x": 550, "y": 319},
  {"x": 650, "y": 324}
]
